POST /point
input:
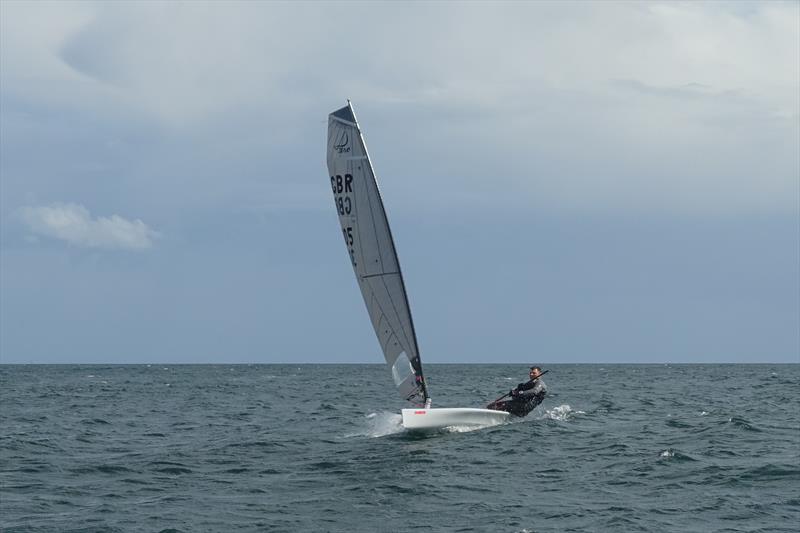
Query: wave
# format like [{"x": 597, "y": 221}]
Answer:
[
  {"x": 771, "y": 472},
  {"x": 672, "y": 454},
  {"x": 742, "y": 423},
  {"x": 102, "y": 469}
]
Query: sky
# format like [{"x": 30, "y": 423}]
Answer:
[{"x": 572, "y": 182}]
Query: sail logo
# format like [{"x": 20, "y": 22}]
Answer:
[{"x": 341, "y": 143}]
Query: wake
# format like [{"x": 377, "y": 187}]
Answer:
[{"x": 383, "y": 423}]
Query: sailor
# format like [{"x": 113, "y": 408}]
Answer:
[
  {"x": 525, "y": 396},
  {"x": 532, "y": 391}
]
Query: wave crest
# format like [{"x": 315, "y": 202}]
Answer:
[{"x": 562, "y": 413}]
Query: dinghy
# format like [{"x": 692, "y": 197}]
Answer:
[{"x": 372, "y": 252}]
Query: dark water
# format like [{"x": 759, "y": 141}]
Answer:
[{"x": 319, "y": 448}]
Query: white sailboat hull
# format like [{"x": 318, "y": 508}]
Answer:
[{"x": 430, "y": 419}]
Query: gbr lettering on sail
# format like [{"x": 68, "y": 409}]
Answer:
[{"x": 342, "y": 188}]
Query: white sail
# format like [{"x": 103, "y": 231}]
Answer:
[{"x": 368, "y": 238}]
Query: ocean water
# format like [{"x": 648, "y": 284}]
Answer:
[{"x": 320, "y": 448}]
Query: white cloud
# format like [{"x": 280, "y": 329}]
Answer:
[
  {"x": 188, "y": 61},
  {"x": 655, "y": 106},
  {"x": 74, "y": 224}
]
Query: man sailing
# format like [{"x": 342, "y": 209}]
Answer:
[{"x": 525, "y": 396}]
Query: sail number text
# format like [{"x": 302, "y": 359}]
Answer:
[
  {"x": 348, "y": 241},
  {"x": 342, "y": 187}
]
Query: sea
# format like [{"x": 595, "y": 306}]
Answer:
[{"x": 318, "y": 448}]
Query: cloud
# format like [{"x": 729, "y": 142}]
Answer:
[
  {"x": 74, "y": 224},
  {"x": 182, "y": 62},
  {"x": 655, "y": 107}
]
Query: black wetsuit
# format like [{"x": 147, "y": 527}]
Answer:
[{"x": 524, "y": 398}]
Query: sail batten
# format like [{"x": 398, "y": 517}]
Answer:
[{"x": 365, "y": 228}]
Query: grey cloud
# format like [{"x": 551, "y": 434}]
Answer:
[
  {"x": 688, "y": 90},
  {"x": 92, "y": 52}
]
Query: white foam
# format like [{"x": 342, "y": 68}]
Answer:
[
  {"x": 465, "y": 429},
  {"x": 562, "y": 413},
  {"x": 379, "y": 425},
  {"x": 667, "y": 453}
]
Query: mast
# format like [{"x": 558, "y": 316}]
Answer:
[
  {"x": 369, "y": 240},
  {"x": 418, "y": 366}
]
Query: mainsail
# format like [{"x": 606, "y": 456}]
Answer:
[{"x": 369, "y": 242}]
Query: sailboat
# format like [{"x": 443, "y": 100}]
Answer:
[{"x": 373, "y": 255}]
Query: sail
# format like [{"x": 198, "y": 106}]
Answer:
[{"x": 368, "y": 238}]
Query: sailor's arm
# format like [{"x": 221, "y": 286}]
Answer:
[
  {"x": 516, "y": 392},
  {"x": 533, "y": 388}
]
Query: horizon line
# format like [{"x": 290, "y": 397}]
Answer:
[{"x": 151, "y": 363}]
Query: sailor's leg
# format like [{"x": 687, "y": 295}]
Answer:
[{"x": 499, "y": 406}]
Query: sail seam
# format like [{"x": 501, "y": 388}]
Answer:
[
  {"x": 378, "y": 275},
  {"x": 343, "y": 121}
]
